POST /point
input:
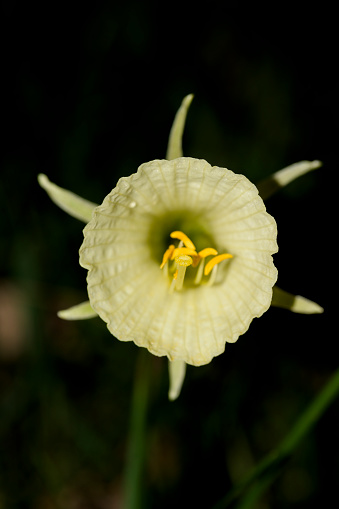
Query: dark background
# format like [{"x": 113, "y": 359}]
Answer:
[{"x": 89, "y": 94}]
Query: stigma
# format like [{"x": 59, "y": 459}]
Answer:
[{"x": 177, "y": 259}]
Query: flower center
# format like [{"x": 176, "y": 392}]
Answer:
[{"x": 177, "y": 259}]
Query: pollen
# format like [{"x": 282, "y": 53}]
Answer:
[
  {"x": 207, "y": 252},
  {"x": 183, "y": 237},
  {"x": 183, "y": 260},
  {"x": 183, "y": 251},
  {"x": 178, "y": 258},
  {"x": 167, "y": 256},
  {"x": 214, "y": 261},
  {"x": 199, "y": 260}
]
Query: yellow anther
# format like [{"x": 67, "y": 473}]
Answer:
[
  {"x": 207, "y": 252},
  {"x": 183, "y": 251},
  {"x": 214, "y": 261},
  {"x": 183, "y": 237},
  {"x": 183, "y": 260},
  {"x": 184, "y": 255},
  {"x": 167, "y": 256}
]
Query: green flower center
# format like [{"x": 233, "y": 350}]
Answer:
[{"x": 187, "y": 221}]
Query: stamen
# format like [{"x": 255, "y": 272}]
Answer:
[
  {"x": 167, "y": 256},
  {"x": 183, "y": 237},
  {"x": 213, "y": 276},
  {"x": 182, "y": 261},
  {"x": 183, "y": 251},
  {"x": 184, "y": 255},
  {"x": 200, "y": 271},
  {"x": 214, "y": 261},
  {"x": 207, "y": 252},
  {"x": 196, "y": 261}
]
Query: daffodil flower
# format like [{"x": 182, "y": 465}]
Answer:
[{"x": 179, "y": 255}]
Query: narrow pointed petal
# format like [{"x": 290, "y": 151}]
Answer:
[
  {"x": 79, "y": 312},
  {"x": 281, "y": 178},
  {"x": 71, "y": 203},
  {"x": 295, "y": 303},
  {"x": 177, "y": 371},
  {"x": 174, "y": 148}
]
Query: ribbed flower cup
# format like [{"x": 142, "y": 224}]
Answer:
[
  {"x": 179, "y": 255},
  {"x": 129, "y": 233}
]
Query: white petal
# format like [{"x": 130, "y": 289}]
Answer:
[
  {"x": 177, "y": 371},
  {"x": 283, "y": 177},
  {"x": 174, "y": 148},
  {"x": 125, "y": 241},
  {"x": 294, "y": 303},
  {"x": 79, "y": 312},
  {"x": 71, "y": 203}
]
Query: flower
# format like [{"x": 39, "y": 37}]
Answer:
[
  {"x": 123, "y": 249},
  {"x": 179, "y": 255}
]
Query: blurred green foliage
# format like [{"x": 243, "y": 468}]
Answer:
[{"x": 90, "y": 93}]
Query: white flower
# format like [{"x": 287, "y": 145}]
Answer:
[
  {"x": 129, "y": 233},
  {"x": 208, "y": 230}
]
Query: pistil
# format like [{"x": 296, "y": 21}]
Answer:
[
  {"x": 184, "y": 255},
  {"x": 182, "y": 261}
]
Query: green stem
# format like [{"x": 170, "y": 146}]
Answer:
[
  {"x": 257, "y": 489},
  {"x": 264, "y": 471},
  {"x": 136, "y": 446}
]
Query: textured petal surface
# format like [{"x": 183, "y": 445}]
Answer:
[
  {"x": 126, "y": 238},
  {"x": 71, "y": 203}
]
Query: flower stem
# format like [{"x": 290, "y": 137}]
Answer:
[
  {"x": 259, "y": 479},
  {"x": 136, "y": 444}
]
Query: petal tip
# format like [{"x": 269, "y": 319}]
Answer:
[
  {"x": 43, "y": 180},
  {"x": 188, "y": 99},
  {"x": 80, "y": 311},
  {"x": 316, "y": 164},
  {"x": 177, "y": 371},
  {"x": 295, "y": 303},
  {"x": 306, "y": 306}
]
